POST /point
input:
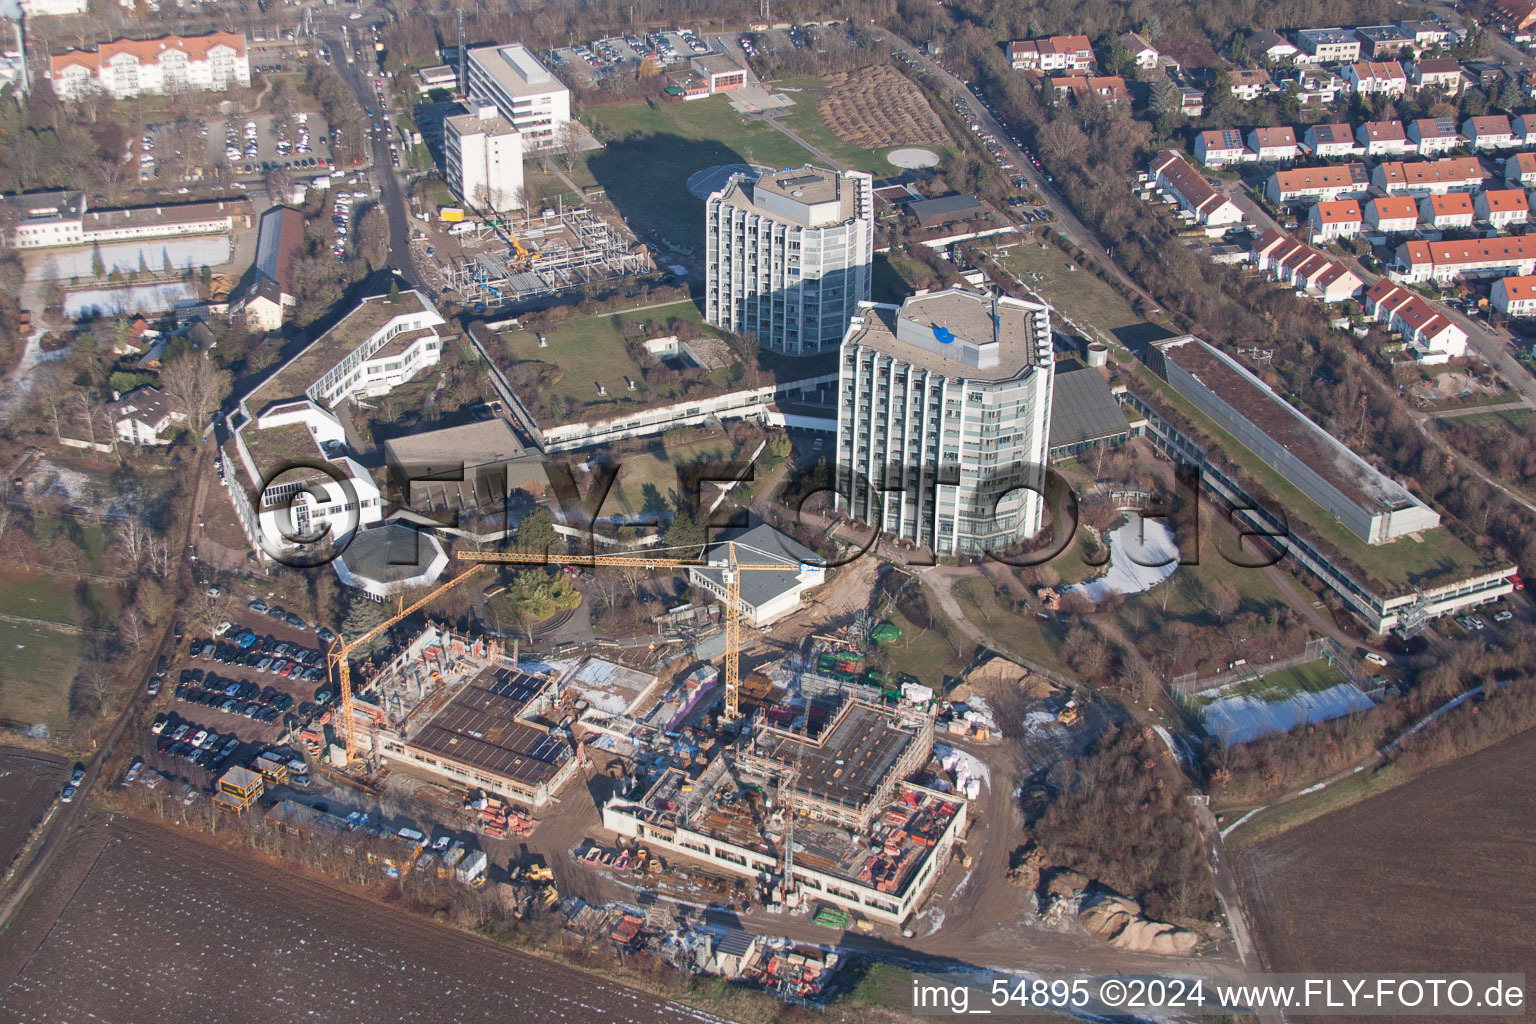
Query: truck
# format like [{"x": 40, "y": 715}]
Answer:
[{"x": 471, "y": 870}]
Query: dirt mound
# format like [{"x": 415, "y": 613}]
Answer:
[
  {"x": 876, "y": 106},
  {"x": 998, "y": 675},
  {"x": 1118, "y": 921}
]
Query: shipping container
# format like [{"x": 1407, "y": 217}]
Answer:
[{"x": 471, "y": 870}]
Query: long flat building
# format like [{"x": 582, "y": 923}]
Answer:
[{"x": 1374, "y": 507}]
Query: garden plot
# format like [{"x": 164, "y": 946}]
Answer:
[{"x": 876, "y": 106}]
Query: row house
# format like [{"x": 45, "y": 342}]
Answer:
[
  {"x": 1443, "y": 212},
  {"x": 1248, "y": 84},
  {"x": 1314, "y": 184},
  {"x": 1491, "y": 131},
  {"x": 1290, "y": 262},
  {"x": 1328, "y": 45},
  {"x": 1376, "y": 78},
  {"x": 1192, "y": 192},
  {"x": 1392, "y": 215},
  {"x": 1383, "y": 138},
  {"x": 1433, "y": 136},
  {"x": 1383, "y": 42},
  {"x": 1520, "y": 169},
  {"x": 1524, "y": 130},
  {"x": 1431, "y": 335},
  {"x": 1502, "y": 207},
  {"x": 1338, "y": 218},
  {"x": 1418, "y": 261},
  {"x": 1517, "y": 15},
  {"x": 1219, "y": 147},
  {"x": 1443, "y": 73},
  {"x": 1514, "y": 296},
  {"x": 1316, "y": 86},
  {"x": 1428, "y": 177},
  {"x": 1427, "y": 34},
  {"x": 1058, "y": 53},
  {"x": 1274, "y": 145},
  {"x": 1329, "y": 141}
]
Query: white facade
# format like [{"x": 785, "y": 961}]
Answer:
[
  {"x": 52, "y": 8},
  {"x": 484, "y": 160},
  {"x": 1514, "y": 296},
  {"x": 143, "y": 416},
  {"x": 523, "y": 90},
  {"x": 788, "y": 257},
  {"x": 944, "y": 406},
  {"x": 125, "y": 68},
  {"x": 45, "y": 220}
]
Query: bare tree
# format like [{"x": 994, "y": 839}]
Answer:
[
  {"x": 133, "y": 537},
  {"x": 158, "y": 554},
  {"x": 195, "y": 388}
]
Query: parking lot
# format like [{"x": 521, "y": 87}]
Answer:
[
  {"x": 250, "y": 146},
  {"x": 237, "y": 690},
  {"x": 625, "y": 53}
]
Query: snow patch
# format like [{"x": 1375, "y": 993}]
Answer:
[
  {"x": 1245, "y": 718},
  {"x": 1142, "y": 554}
]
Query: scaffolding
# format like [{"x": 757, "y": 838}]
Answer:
[{"x": 553, "y": 252}]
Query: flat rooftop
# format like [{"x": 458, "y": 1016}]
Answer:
[
  {"x": 468, "y": 445},
  {"x": 365, "y": 320},
  {"x": 807, "y": 186},
  {"x": 480, "y": 727},
  {"x": 1351, "y": 475},
  {"x": 516, "y": 69},
  {"x": 846, "y": 765},
  {"x": 180, "y": 213},
  {"x": 964, "y": 314},
  {"x": 1082, "y": 408},
  {"x": 473, "y": 124}
]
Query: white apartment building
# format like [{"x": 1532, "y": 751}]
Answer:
[
  {"x": 944, "y": 406},
  {"x": 51, "y": 8},
  {"x": 41, "y": 220},
  {"x": 523, "y": 90},
  {"x": 483, "y": 153},
  {"x": 125, "y": 68},
  {"x": 788, "y": 256}
]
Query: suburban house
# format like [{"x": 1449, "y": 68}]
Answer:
[
  {"x": 1520, "y": 169},
  {"x": 1392, "y": 214},
  {"x": 1058, "y": 53},
  {"x": 1107, "y": 87},
  {"x": 144, "y": 416},
  {"x": 1249, "y": 84},
  {"x": 1316, "y": 85},
  {"x": 1491, "y": 131},
  {"x": 1433, "y": 136},
  {"x": 1271, "y": 47},
  {"x": 1450, "y": 210},
  {"x": 1290, "y": 262},
  {"x": 1376, "y": 78},
  {"x": 1431, "y": 336},
  {"x": 1426, "y": 177},
  {"x": 1328, "y": 141},
  {"x": 1501, "y": 207},
  {"x": 1189, "y": 188},
  {"x": 1142, "y": 53},
  {"x": 1524, "y": 128},
  {"x": 1274, "y": 145},
  {"x": 1383, "y": 42},
  {"x": 1191, "y": 101},
  {"x": 1328, "y": 45},
  {"x": 1426, "y": 34},
  {"x": 1443, "y": 73},
  {"x": 1418, "y": 261},
  {"x": 1383, "y": 138},
  {"x": 1314, "y": 184},
  {"x": 1338, "y": 218},
  {"x": 1514, "y": 296},
  {"x": 1517, "y": 15},
  {"x": 1218, "y": 147}
]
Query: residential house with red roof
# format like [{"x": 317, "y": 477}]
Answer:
[
  {"x": 1514, "y": 296},
  {"x": 1429, "y": 334},
  {"x": 1376, "y": 78},
  {"x": 1274, "y": 145},
  {"x": 1392, "y": 215},
  {"x": 1417, "y": 261},
  {"x": 125, "y": 68},
  {"x": 1057, "y": 53},
  {"x": 1427, "y": 177},
  {"x": 1450, "y": 210},
  {"x": 1491, "y": 131},
  {"x": 1189, "y": 188},
  {"x": 1219, "y": 147},
  {"x": 1339, "y": 218},
  {"x": 1502, "y": 207},
  {"x": 1383, "y": 138},
  {"x": 1433, "y": 136}
]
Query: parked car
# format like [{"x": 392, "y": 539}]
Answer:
[
  {"x": 67, "y": 795},
  {"x": 258, "y": 605}
]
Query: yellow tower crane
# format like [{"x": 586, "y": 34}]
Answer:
[{"x": 338, "y": 658}]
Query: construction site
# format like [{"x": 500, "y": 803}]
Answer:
[{"x": 497, "y": 260}]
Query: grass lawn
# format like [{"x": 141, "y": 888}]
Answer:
[
  {"x": 893, "y": 274},
  {"x": 546, "y": 187},
  {"x": 658, "y": 466},
  {"x": 1020, "y": 636},
  {"x": 652, "y": 148},
  {"x": 1079, "y": 294},
  {"x": 38, "y": 663},
  {"x": 592, "y": 350},
  {"x": 1272, "y": 821},
  {"x": 922, "y": 653},
  {"x": 1313, "y": 677},
  {"x": 1520, "y": 419}
]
